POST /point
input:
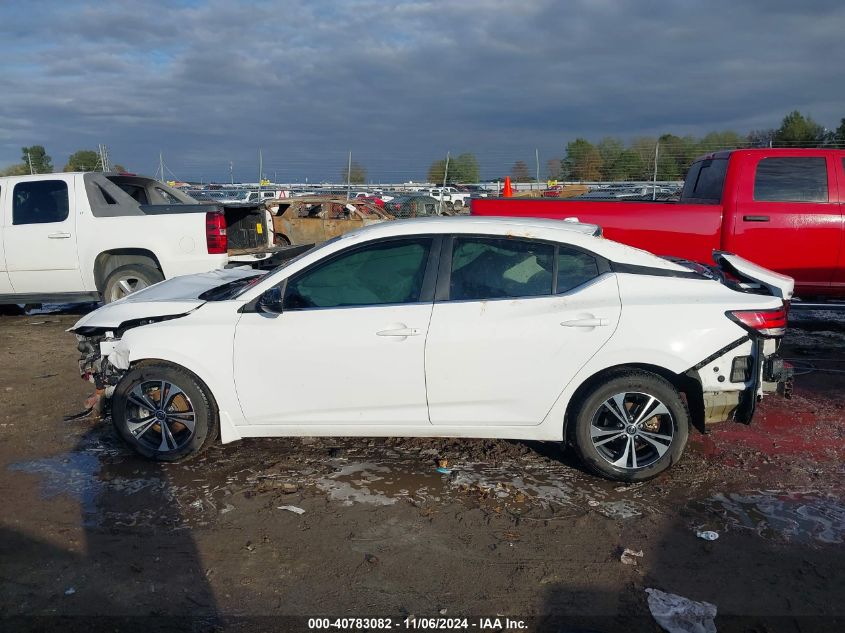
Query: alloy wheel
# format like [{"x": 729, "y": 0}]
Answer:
[
  {"x": 126, "y": 286},
  {"x": 160, "y": 415},
  {"x": 632, "y": 430}
]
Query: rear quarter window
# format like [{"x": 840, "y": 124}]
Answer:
[{"x": 800, "y": 179}]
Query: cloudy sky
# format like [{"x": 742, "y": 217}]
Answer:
[{"x": 400, "y": 82}]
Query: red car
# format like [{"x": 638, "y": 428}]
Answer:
[{"x": 780, "y": 208}]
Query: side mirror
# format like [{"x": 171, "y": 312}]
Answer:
[{"x": 271, "y": 301}]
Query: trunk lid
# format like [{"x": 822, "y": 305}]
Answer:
[{"x": 750, "y": 276}]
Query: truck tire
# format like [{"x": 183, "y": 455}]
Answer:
[
  {"x": 178, "y": 426},
  {"x": 458, "y": 204},
  {"x": 280, "y": 240},
  {"x": 631, "y": 426},
  {"x": 125, "y": 280}
]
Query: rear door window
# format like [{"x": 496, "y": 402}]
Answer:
[
  {"x": 791, "y": 180},
  {"x": 495, "y": 268},
  {"x": 705, "y": 180},
  {"x": 40, "y": 202}
]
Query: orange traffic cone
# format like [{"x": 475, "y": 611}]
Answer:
[{"x": 507, "y": 192}]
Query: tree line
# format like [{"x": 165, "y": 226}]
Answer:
[
  {"x": 611, "y": 159},
  {"x": 36, "y": 160}
]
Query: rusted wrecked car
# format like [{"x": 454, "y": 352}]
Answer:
[{"x": 316, "y": 219}]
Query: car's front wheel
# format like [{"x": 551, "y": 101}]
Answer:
[
  {"x": 164, "y": 412},
  {"x": 631, "y": 426}
]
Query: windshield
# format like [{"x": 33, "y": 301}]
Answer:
[{"x": 239, "y": 290}]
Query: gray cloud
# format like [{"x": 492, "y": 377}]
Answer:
[{"x": 400, "y": 83}]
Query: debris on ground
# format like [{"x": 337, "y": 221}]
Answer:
[
  {"x": 629, "y": 556},
  {"x": 443, "y": 466},
  {"x": 707, "y": 535},
  {"x": 294, "y": 509},
  {"x": 677, "y": 614}
]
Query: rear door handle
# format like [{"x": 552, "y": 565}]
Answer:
[
  {"x": 61, "y": 235},
  {"x": 586, "y": 322},
  {"x": 402, "y": 331},
  {"x": 756, "y": 218}
]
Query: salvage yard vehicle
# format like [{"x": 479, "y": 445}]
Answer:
[
  {"x": 317, "y": 219},
  {"x": 412, "y": 206},
  {"x": 76, "y": 237},
  {"x": 781, "y": 208},
  {"x": 495, "y": 328}
]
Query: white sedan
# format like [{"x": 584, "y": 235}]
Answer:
[{"x": 446, "y": 327}]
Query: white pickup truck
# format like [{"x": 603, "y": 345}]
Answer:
[
  {"x": 450, "y": 196},
  {"x": 73, "y": 237}
]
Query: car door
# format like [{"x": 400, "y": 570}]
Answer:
[
  {"x": 348, "y": 346},
  {"x": 839, "y": 275},
  {"x": 40, "y": 236},
  {"x": 788, "y": 218},
  {"x": 513, "y": 322},
  {"x": 5, "y": 282}
]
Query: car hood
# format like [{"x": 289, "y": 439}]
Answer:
[{"x": 173, "y": 297}]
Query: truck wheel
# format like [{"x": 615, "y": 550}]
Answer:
[
  {"x": 164, "y": 412},
  {"x": 631, "y": 427},
  {"x": 458, "y": 204},
  {"x": 125, "y": 280},
  {"x": 280, "y": 240}
]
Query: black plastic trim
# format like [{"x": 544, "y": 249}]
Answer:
[
  {"x": 721, "y": 352},
  {"x": 56, "y": 297},
  {"x": 636, "y": 269}
]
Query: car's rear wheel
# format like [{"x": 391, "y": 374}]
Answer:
[
  {"x": 125, "y": 280},
  {"x": 631, "y": 426},
  {"x": 164, "y": 412},
  {"x": 280, "y": 240}
]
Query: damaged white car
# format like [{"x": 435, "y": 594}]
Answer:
[{"x": 446, "y": 327}]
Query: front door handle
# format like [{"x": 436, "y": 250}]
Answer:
[
  {"x": 402, "y": 331},
  {"x": 756, "y": 218},
  {"x": 594, "y": 322},
  {"x": 61, "y": 235}
]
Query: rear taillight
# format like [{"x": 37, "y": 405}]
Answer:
[
  {"x": 215, "y": 233},
  {"x": 762, "y": 322}
]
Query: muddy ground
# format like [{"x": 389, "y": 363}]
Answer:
[{"x": 88, "y": 530}]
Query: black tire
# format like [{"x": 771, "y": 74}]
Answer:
[
  {"x": 594, "y": 415},
  {"x": 280, "y": 239},
  {"x": 127, "y": 279},
  {"x": 182, "y": 442}
]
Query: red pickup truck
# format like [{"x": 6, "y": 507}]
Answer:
[{"x": 780, "y": 208}]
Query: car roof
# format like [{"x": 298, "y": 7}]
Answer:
[{"x": 579, "y": 234}]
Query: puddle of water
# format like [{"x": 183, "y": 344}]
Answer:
[
  {"x": 72, "y": 474},
  {"x": 790, "y": 516},
  {"x": 379, "y": 485},
  {"x": 509, "y": 485}
]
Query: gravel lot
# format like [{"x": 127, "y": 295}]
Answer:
[{"x": 516, "y": 528}]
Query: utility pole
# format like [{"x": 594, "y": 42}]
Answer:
[
  {"x": 537, "y": 158},
  {"x": 654, "y": 179},
  {"x": 260, "y": 172},
  {"x": 445, "y": 178},
  {"x": 349, "y": 176},
  {"x": 29, "y": 160},
  {"x": 161, "y": 166},
  {"x": 231, "y": 173}
]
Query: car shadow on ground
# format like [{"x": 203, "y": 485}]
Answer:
[{"x": 139, "y": 569}]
